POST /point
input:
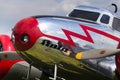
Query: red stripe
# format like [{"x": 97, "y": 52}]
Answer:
[
  {"x": 86, "y": 38},
  {"x": 100, "y": 32}
]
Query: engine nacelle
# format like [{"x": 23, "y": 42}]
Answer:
[{"x": 5, "y": 43}]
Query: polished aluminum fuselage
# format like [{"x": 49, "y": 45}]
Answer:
[
  {"x": 55, "y": 26},
  {"x": 68, "y": 30},
  {"x": 60, "y": 37}
]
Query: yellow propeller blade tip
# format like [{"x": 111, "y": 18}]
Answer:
[{"x": 79, "y": 55}]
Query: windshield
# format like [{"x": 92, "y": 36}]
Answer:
[{"x": 93, "y": 16}]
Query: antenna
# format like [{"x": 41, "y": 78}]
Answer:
[{"x": 116, "y": 8}]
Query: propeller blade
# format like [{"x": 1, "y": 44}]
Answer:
[{"x": 96, "y": 53}]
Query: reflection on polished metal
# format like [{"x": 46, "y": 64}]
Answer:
[
  {"x": 88, "y": 54},
  {"x": 58, "y": 36},
  {"x": 57, "y": 46},
  {"x": 70, "y": 35}
]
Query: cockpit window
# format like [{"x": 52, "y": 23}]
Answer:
[
  {"x": 116, "y": 24},
  {"x": 93, "y": 16},
  {"x": 105, "y": 19}
]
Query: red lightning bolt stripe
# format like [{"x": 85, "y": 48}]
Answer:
[
  {"x": 101, "y": 32},
  {"x": 86, "y": 38}
]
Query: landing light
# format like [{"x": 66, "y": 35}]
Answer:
[{"x": 25, "y": 38}]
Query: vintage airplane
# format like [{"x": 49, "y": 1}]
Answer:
[
  {"x": 57, "y": 44},
  {"x": 12, "y": 66}
]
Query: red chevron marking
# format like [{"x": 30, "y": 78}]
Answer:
[
  {"x": 101, "y": 32},
  {"x": 86, "y": 38}
]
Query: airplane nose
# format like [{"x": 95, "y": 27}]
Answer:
[{"x": 25, "y": 33}]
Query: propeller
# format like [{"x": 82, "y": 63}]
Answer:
[
  {"x": 116, "y": 8},
  {"x": 96, "y": 53}
]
